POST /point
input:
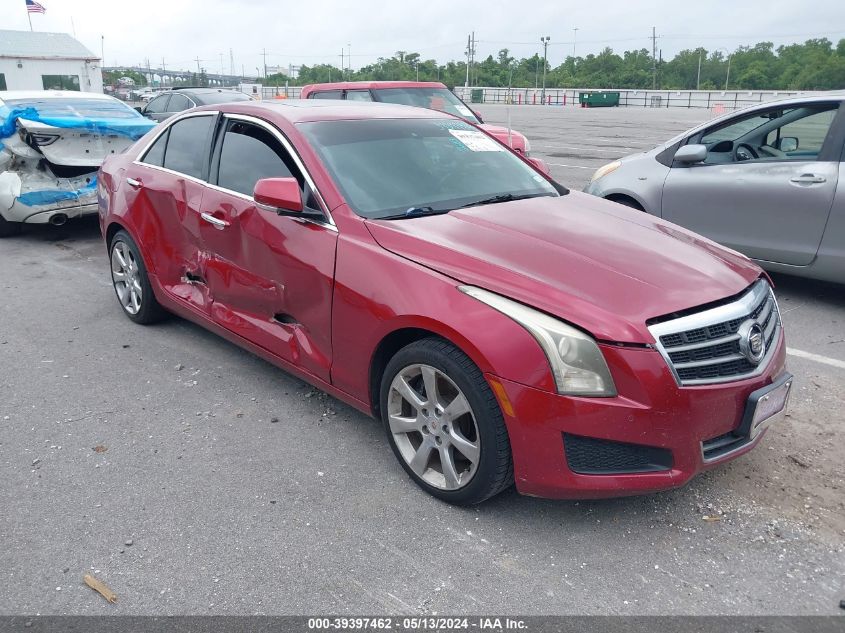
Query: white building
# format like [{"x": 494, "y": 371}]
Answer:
[{"x": 47, "y": 61}]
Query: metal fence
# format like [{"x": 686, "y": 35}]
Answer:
[
  {"x": 709, "y": 99},
  {"x": 715, "y": 100}
]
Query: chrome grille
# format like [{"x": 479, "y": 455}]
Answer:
[{"x": 706, "y": 347}]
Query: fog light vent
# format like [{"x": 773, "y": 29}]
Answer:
[{"x": 592, "y": 456}]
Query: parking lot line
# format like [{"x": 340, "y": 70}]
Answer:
[{"x": 818, "y": 358}]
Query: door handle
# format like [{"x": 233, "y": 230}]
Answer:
[
  {"x": 133, "y": 183},
  {"x": 216, "y": 222},
  {"x": 808, "y": 179}
]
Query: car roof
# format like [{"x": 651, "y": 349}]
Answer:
[
  {"x": 9, "y": 95},
  {"x": 203, "y": 91},
  {"x": 311, "y": 110},
  {"x": 367, "y": 85}
]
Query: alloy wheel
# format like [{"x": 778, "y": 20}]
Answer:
[{"x": 433, "y": 427}]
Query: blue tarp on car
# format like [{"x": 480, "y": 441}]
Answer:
[{"x": 101, "y": 116}]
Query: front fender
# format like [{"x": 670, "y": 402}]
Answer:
[{"x": 392, "y": 293}]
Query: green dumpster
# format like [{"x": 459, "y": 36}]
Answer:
[
  {"x": 477, "y": 95},
  {"x": 598, "y": 99}
]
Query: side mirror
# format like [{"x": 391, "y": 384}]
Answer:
[
  {"x": 139, "y": 109},
  {"x": 539, "y": 164},
  {"x": 691, "y": 154},
  {"x": 477, "y": 116},
  {"x": 788, "y": 144},
  {"x": 282, "y": 194}
]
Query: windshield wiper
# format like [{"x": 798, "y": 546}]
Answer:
[
  {"x": 415, "y": 212},
  {"x": 503, "y": 197}
]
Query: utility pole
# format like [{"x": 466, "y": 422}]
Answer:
[
  {"x": 342, "y": 67},
  {"x": 473, "y": 78},
  {"x": 349, "y": 58},
  {"x": 264, "y": 55},
  {"x": 574, "y": 41},
  {"x": 545, "y": 41},
  {"x": 197, "y": 60},
  {"x": 163, "y": 70},
  {"x": 469, "y": 48},
  {"x": 698, "y": 78},
  {"x": 102, "y": 50},
  {"x": 653, "y": 58}
]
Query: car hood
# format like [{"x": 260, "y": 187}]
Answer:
[
  {"x": 501, "y": 133},
  {"x": 593, "y": 263}
]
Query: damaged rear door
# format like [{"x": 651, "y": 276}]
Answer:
[{"x": 164, "y": 191}]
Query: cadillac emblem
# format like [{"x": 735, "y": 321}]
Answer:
[{"x": 752, "y": 342}]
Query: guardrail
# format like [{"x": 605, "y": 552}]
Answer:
[{"x": 709, "y": 99}]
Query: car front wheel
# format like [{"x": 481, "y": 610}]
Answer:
[{"x": 444, "y": 423}]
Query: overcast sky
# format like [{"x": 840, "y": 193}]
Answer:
[{"x": 315, "y": 32}]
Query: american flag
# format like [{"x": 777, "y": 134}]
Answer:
[{"x": 34, "y": 7}]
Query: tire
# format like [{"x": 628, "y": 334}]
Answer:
[
  {"x": 469, "y": 434},
  {"x": 8, "y": 229},
  {"x": 130, "y": 281},
  {"x": 627, "y": 202}
]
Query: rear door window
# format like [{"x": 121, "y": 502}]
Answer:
[
  {"x": 358, "y": 95},
  {"x": 159, "y": 104},
  {"x": 187, "y": 146},
  {"x": 155, "y": 155},
  {"x": 328, "y": 94},
  {"x": 178, "y": 103}
]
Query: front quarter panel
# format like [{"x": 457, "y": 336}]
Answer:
[
  {"x": 378, "y": 292},
  {"x": 639, "y": 177}
]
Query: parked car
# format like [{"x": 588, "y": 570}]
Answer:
[
  {"x": 766, "y": 181},
  {"x": 503, "y": 328},
  {"x": 168, "y": 103},
  {"x": 51, "y": 144},
  {"x": 422, "y": 94}
]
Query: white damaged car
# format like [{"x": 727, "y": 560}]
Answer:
[{"x": 51, "y": 145}]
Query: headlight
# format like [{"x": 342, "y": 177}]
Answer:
[
  {"x": 578, "y": 366},
  {"x": 605, "y": 170}
]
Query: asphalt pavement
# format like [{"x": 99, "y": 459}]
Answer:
[{"x": 193, "y": 478}]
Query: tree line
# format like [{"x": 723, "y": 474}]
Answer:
[{"x": 814, "y": 65}]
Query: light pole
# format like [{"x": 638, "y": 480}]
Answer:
[
  {"x": 574, "y": 41},
  {"x": 728, "y": 74},
  {"x": 545, "y": 41},
  {"x": 698, "y": 78}
]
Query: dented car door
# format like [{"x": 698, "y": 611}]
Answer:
[{"x": 270, "y": 277}]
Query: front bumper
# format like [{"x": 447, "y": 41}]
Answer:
[{"x": 651, "y": 411}]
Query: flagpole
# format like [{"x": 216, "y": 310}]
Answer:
[{"x": 29, "y": 17}]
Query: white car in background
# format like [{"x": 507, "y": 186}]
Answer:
[{"x": 51, "y": 145}]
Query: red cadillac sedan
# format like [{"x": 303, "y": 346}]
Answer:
[{"x": 503, "y": 328}]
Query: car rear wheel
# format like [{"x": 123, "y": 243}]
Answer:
[
  {"x": 444, "y": 424},
  {"x": 8, "y": 229},
  {"x": 130, "y": 281}
]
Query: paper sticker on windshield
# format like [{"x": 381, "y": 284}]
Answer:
[
  {"x": 477, "y": 141},
  {"x": 463, "y": 110}
]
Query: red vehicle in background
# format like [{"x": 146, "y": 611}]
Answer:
[{"x": 422, "y": 94}]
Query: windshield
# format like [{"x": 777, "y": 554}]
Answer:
[
  {"x": 76, "y": 108},
  {"x": 439, "y": 99},
  {"x": 386, "y": 167}
]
